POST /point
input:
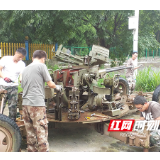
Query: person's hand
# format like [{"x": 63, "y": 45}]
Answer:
[
  {"x": 58, "y": 88},
  {"x": 8, "y": 80}
]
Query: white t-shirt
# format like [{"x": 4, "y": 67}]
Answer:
[{"x": 11, "y": 70}]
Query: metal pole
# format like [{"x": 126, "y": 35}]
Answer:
[
  {"x": 56, "y": 46},
  {"x": 26, "y": 47},
  {"x": 135, "y": 38}
]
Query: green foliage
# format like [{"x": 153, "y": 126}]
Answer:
[
  {"x": 107, "y": 28},
  {"x": 111, "y": 75},
  {"x": 147, "y": 80},
  {"x": 101, "y": 66},
  {"x": 54, "y": 67},
  {"x": 20, "y": 89},
  {"x": 100, "y": 82}
]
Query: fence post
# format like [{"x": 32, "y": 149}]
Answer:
[
  {"x": 12, "y": 50},
  {"x": 153, "y": 53},
  {"x": 90, "y": 48},
  {"x": 146, "y": 53},
  {"x": 4, "y": 46},
  {"x": 56, "y": 46},
  {"x": 26, "y": 47},
  {"x": 72, "y": 50},
  {"x": 1, "y": 50}
]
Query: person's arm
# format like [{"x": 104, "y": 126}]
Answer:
[
  {"x": 157, "y": 118},
  {"x": 22, "y": 69},
  {"x": 51, "y": 84},
  {"x": 6, "y": 79},
  {"x": 1, "y": 74},
  {"x": 20, "y": 77},
  {"x": 142, "y": 118},
  {"x": 2, "y": 64},
  {"x": 138, "y": 66},
  {"x": 48, "y": 79}
]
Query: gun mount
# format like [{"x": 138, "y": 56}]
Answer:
[{"x": 81, "y": 94}]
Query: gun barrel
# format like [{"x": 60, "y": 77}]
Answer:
[{"x": 114, "y": 69}]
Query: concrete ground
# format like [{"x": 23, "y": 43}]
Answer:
[{"x": 73, "y": 137}]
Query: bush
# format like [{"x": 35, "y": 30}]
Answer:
[{"x": 147, "y": 80}]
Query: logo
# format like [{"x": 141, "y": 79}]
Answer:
[
  {"x": 150, "y": 125},
  {"x": 121, "y": 125},
  {"x": 128, "y": 124}
]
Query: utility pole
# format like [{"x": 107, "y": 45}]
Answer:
[
  {"x": 133, "y": 24},
  {"x": 135, "y": 38}
]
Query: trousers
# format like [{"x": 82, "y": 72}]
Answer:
[
  {"x": 12, "y": 98},
  {"x": 131, "y": 82},
  {"x": 36, "y": 125}
]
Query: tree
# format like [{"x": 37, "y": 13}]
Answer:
[
  {"x": 107, "y": 28},
  {"x": 149, "y": 24}
]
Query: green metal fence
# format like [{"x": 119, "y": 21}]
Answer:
[
  {"x": 82, "y": 51},
  {"x": 151, "y": 53}
]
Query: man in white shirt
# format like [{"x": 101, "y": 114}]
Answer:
[{"x": 11, "y": 67}]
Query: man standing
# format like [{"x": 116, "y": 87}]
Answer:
[
  {"x": 11, "y": 68},
  {"x": 149, "y": 111},
  {"x": 34, "y": 111},
  {"x": 130, "y": 74}
]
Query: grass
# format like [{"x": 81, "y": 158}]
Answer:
[{"x": 147, "y": 79}]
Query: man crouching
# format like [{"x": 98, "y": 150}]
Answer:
[
  {"x": 34, "y": 111},
  {"x": 149, "y": 111}
]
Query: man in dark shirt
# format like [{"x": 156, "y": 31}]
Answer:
[{"x": 149, "y": 111}]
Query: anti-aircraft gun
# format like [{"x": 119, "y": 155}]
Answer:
[
  {"x": 81, "y": 99},
  {"x": 81, "y": 94}
]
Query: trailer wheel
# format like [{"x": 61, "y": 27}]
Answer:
[
  {"x": 123, "y": 86},
  {"x": 156, "y": 94},
  {"x": 10, "y": 136}
]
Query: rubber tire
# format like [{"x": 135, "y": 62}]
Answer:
[
  {"x": 14, "y": 130},
  {"x": 156, "y": 94},
  {"x": 124, "y": 82}
]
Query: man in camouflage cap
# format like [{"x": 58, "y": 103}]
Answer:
[{"x": 34, "y": 111}]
